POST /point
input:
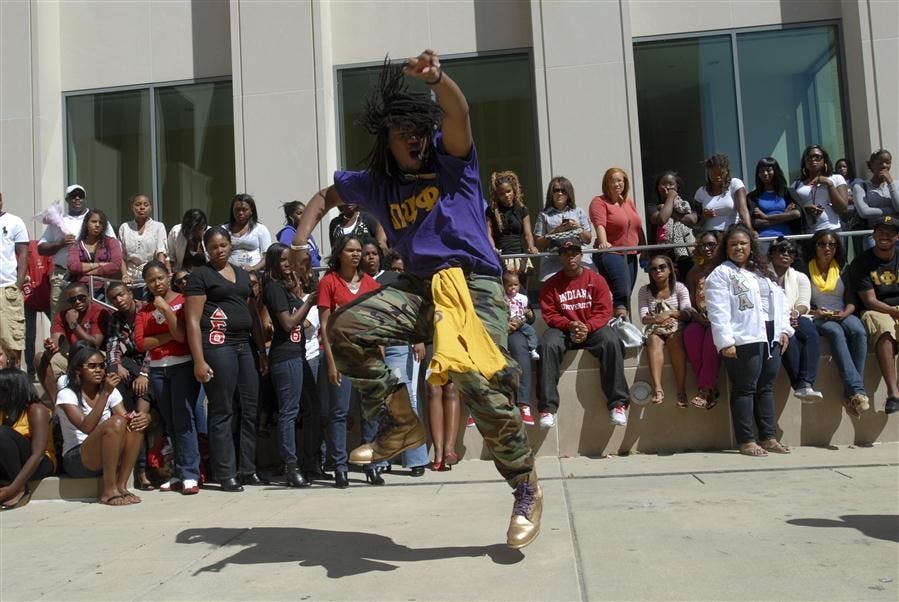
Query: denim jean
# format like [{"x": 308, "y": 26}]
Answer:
[
  {"x": 603, "y": 344},
  {"x": 311, "y": 413},
  {"x": 849, "y": 348},
  {"x": 200, "y": 411},
  {"x": 235, "y": 371},
  {"x": 801, "y": 357},
  {"x": 399, "y": 359},
  {"x": 287, "y": 380},
  {"x": 338, "y": 408},
  {"x": 175, "y": 390},
  {"x": 751, "y": 376},
  {"x": 620, "y": 271},
  {"x": 518, "y": 349}
]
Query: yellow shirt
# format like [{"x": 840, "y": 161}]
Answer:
[{"x": 23, "y": 427}]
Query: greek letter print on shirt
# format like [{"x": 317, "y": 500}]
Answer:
[
  {"x": 740, "y": 291},
  {"x": 219, "y": 322},
  {"x": 406, "y": 212}
]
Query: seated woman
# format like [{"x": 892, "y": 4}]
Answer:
[
  {"x": 26, "y": 446},
  {"x": 835, "y": 319},
  {"x": 698, "y": 341},
  {"x": 663, "y": 304},
  {"x": 99, "y": 438},
  {"x": 800, "y": 358},
  {"x": 95, "y": 253}
]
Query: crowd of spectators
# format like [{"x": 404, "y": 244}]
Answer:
[{"x": 171, "y": 353}]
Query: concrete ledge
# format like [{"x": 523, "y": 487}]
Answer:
[
  {"x": 63, "y": 487},
  {"x": 583, "y": 427}
]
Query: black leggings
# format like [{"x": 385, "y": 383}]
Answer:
[{"x": 14, "y": 452}]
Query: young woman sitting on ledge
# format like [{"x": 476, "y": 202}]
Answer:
[
  {"x": 26, "y": 447},
  {"x": 99, "y": 438}
]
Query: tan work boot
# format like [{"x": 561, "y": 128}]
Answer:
[
  {"x": 524, "y": 526},
  {"x": 399, "y": 430}
]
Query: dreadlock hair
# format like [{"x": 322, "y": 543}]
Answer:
[
  {"x": 497, "y": 179},
  {"x": 392, "y": 105}
]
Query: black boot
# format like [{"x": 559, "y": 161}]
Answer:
[
  {"x": 341, "y": 480},
  {"x": 295, "y": 477},
  {"x": 373, "y": 475}
]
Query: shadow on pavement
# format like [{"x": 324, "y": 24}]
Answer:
[
  {"x": 878, "y": 526},
  {"x": 341, "y": 553}
]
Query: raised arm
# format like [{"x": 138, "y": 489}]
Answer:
[
  {"x": 456, "y": 127},
  {"x": 322, "y": 202}
]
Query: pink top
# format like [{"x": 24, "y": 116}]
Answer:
[
  {"x": 622, "y": 222},
  {"x": 679, "y": 300}
]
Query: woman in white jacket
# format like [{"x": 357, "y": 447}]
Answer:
[{"x": 751, "y": 328}]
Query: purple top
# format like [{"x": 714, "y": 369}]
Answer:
[{"x": 432, "y": 224}]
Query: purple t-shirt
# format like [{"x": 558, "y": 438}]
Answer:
[{"x": 432, "y": 224}]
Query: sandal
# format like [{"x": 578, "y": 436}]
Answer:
[
  {"x": 132, "y": 499},
  {"x": 658, "y": 397},
  {"x": 699, "y": 401},
  {"x": 682, "y": 400},
  {"x": 752, "y": 450},
  {"x": 776, "y": 447},
  {"x": 115, "y": 500}
]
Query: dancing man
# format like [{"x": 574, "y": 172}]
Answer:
[{"x": 422, "y": 184}]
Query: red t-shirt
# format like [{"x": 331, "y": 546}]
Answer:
[
  {"x": 585, "y": 298},
  {"x": 150, "y": 322},
  {"x": 94, "y": 322},
  {"x": 622, "y": 222},
  {"x": 334, "y": 293}
]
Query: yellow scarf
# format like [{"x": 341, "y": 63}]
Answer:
[
  {"x": 461, "y": 343},
  {"x": 828, "y": 283}
]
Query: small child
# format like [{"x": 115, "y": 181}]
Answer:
[{"x": 520, "y": 314}]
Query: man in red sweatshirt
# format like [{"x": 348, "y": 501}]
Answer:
[{"x": 577, "y": 305}]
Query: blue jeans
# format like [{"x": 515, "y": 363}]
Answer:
[
  {"x": 849, "y": 348},
  {"x": 311, "y": 412},
  {"x": 751, "y": 376},
  {"x": 399, "y": 359},
  {"x": 200, "y": 411},
  {"x": 338, "y": 408},
  {"x": 235, "y": 372},
  {"x": 175, "y": 390},
  {"x": 287, "y": 380},
  {"x": 620, "y": 271},
  {"x": 801, "y": 358}
]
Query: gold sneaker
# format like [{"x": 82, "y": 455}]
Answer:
[
  {"x": 524, "y": 526},
  {"x": 860, "y": 402},
  {"x": 398, "y": 431}
]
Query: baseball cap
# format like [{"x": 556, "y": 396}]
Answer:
[
  {"x": 75, "y": 187},
  {"x": 568, "y": 244},
  {"x": 887, "y": 221}
]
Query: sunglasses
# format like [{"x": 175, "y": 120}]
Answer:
[
  {"x": 826, "y": 245},
  {"x": 708, "y": 245},
  {"x": 658, "y": 268},
  {"x": 77, "y": 298},
  {"x": 787, "y": 251},
  {"x": 562, "y": 190}
]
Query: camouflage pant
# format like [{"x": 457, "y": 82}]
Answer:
[{"x": 404, "y": 311}]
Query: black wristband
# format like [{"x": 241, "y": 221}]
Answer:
[{"x": 436, "y": 81}]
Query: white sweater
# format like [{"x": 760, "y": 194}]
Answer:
[{"x": 739, "y": 303}]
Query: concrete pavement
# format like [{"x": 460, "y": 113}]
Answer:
[{"x": 819, "y": 524}]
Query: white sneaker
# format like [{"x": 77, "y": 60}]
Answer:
[
  {"x": 173, "y": 484},
  {"x": 618, "y": 416},
  {"x": 547, "y": 420},
  {"x": 808, "y": 395},
  {"x": 534, "y": 354}
]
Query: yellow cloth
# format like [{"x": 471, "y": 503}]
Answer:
[
  {"x": 23, "y": 427},
  {"x": 461, "y": 343},
  {"x": 828, "y": 283}
]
